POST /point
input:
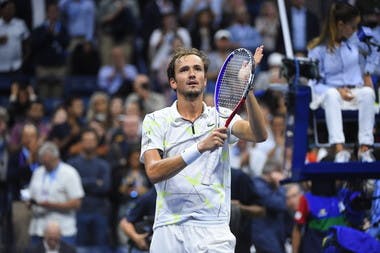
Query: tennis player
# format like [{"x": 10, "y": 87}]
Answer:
[{"x": 177, "y": 145}]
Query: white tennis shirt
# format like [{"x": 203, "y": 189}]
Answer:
[{"x": 183, "y": 199}]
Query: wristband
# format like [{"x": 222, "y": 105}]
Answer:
[{"x": 190, "y": 154}]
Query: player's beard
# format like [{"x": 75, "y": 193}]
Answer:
[{"x": 193, "y": 93}]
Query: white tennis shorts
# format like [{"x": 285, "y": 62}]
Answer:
[{"x": 193, "y": 239}]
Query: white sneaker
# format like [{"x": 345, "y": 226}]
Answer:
[
  {"x": 366, "y": 156},
  {"x": 322, "y": 153},
  {"x": 342, "y": 156}
]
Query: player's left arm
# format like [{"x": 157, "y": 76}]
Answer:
[{"x": 254, "y": 128}]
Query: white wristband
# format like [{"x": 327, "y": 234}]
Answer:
[{"x": 190, "y": 154}]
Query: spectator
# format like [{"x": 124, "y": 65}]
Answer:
[
  {"x": 159, "y": 65},
  {"x": 303, "y": 27},
  {"x": 259, "y": 153},
  {"x": 133, "y": 108},
  {"x": 52, "y": 241},
  {"x": 60, "y": 129},
  {"x": 85, "y": 59},
  {"x": 117, "y": 78},
  {"x": 202, "y": 33},
  {"x": 245, "y": 206},
  {"x": 243, "y": 34},
  {"x": 6, "y": 229},
  {"x": 123, "y": 141},
  {"x": 67, "y": 123},
  {"x": 150, "y": 101},
  {"x": 152, "y": 19},
  {"x": 31, "y": 11},
  {"x": 293, "y": 195},
  {"x": 14, "y": 45},
  {"x": 267, "y": 24},
  {"x": 117, "y": 26},
  {"x": 318, "y": 210},
  {"x": 132, "y": 185},
  {"x": 278, "y": 127},
  {"x": 35, "y": 115},
  {"x": 161, "y": 39},
  {"x": 116, "y": 110},
  {"x": 98, "y": 107},
  {"x": 189, "y": 9},
  {"x": 79, "y": 18},
  {"x": 92, "y": 217},
  {"x": 4, "y": 156},
  {"x": 272, "y": 76},
  {"x": 22, "y": 162},
  {"x": 48, "y": 43},
  {"x": 343, "y": 83},
  {"x": 223, "y": 46},
  {"x": 102, "y": 148},
  {"x": 134, "y": 182},
  {"x": 137, "y": 224},
  {"x": 239, "y": 156},
  {"x": 268, "y": 232},
  {"x": 56, "y": 192},
  {"x": 19, "y": 101}
]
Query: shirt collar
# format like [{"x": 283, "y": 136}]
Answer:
[
  {"x": 53, "y": 173},
  {"x": 177, "y": 116},
  {"x": 298, "y": 11}
]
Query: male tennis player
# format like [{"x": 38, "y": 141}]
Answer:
[{"x": 176, "y": 148}]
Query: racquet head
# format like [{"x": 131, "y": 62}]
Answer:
[{"x": 234, "y": 81}]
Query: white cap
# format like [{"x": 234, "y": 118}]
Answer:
[
  {"x": 220, "y": 34},
  {"x": 275, "y": 59}
]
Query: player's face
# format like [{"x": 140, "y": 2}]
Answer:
[{"x": 190, "y": 78}]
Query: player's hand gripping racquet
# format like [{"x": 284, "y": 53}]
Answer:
[{"x": 234, "y": 81}]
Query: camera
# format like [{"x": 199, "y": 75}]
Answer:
[
  {"x": 306, "y": 68},
  {"x": 145, "y": 226}
]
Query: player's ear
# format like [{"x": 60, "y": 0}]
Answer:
[{"x": 173, "y": 83}]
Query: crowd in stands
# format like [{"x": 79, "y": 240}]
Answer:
[{"x": 77, "y": 78}]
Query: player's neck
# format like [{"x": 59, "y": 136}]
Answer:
[{"x": 190, "y": 110}]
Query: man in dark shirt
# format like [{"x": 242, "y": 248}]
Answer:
[
  {"x": 92, "y": 217},
  {"x": 268, "y": 232},
  {"x": 244, "y": 202},
  {"x": 138, "y": 223}
]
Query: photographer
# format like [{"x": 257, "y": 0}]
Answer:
[
  {"x": 327, "y": 205},
  {"x": 149, "y": 100},
  {"x": 138, "y": 223}
]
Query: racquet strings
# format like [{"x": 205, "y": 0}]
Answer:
[{"x": 231, "y": 89}]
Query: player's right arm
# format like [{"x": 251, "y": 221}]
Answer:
[{"x": 159, "y": 169}]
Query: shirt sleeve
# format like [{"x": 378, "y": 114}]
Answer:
[
  {"x": 301, "y": 215},
  {"x": 152, "y": 135},
  {"x": 232, "y": 138},
  {"x": 74, "y": 186},
  {"x": 317, "y": 53}
]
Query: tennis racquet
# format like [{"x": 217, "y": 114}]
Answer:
[{"x": 235, "y": 80}]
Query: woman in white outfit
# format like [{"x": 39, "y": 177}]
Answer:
[{"x": 345, "y": 81}]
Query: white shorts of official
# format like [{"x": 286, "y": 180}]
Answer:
[{"x": 193, "y": 239}]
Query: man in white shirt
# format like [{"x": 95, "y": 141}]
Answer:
[
  {"x": 177, "y": 145},
  {"x": 56, "y": 192},
  {"x": 13, "y": 35}
]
